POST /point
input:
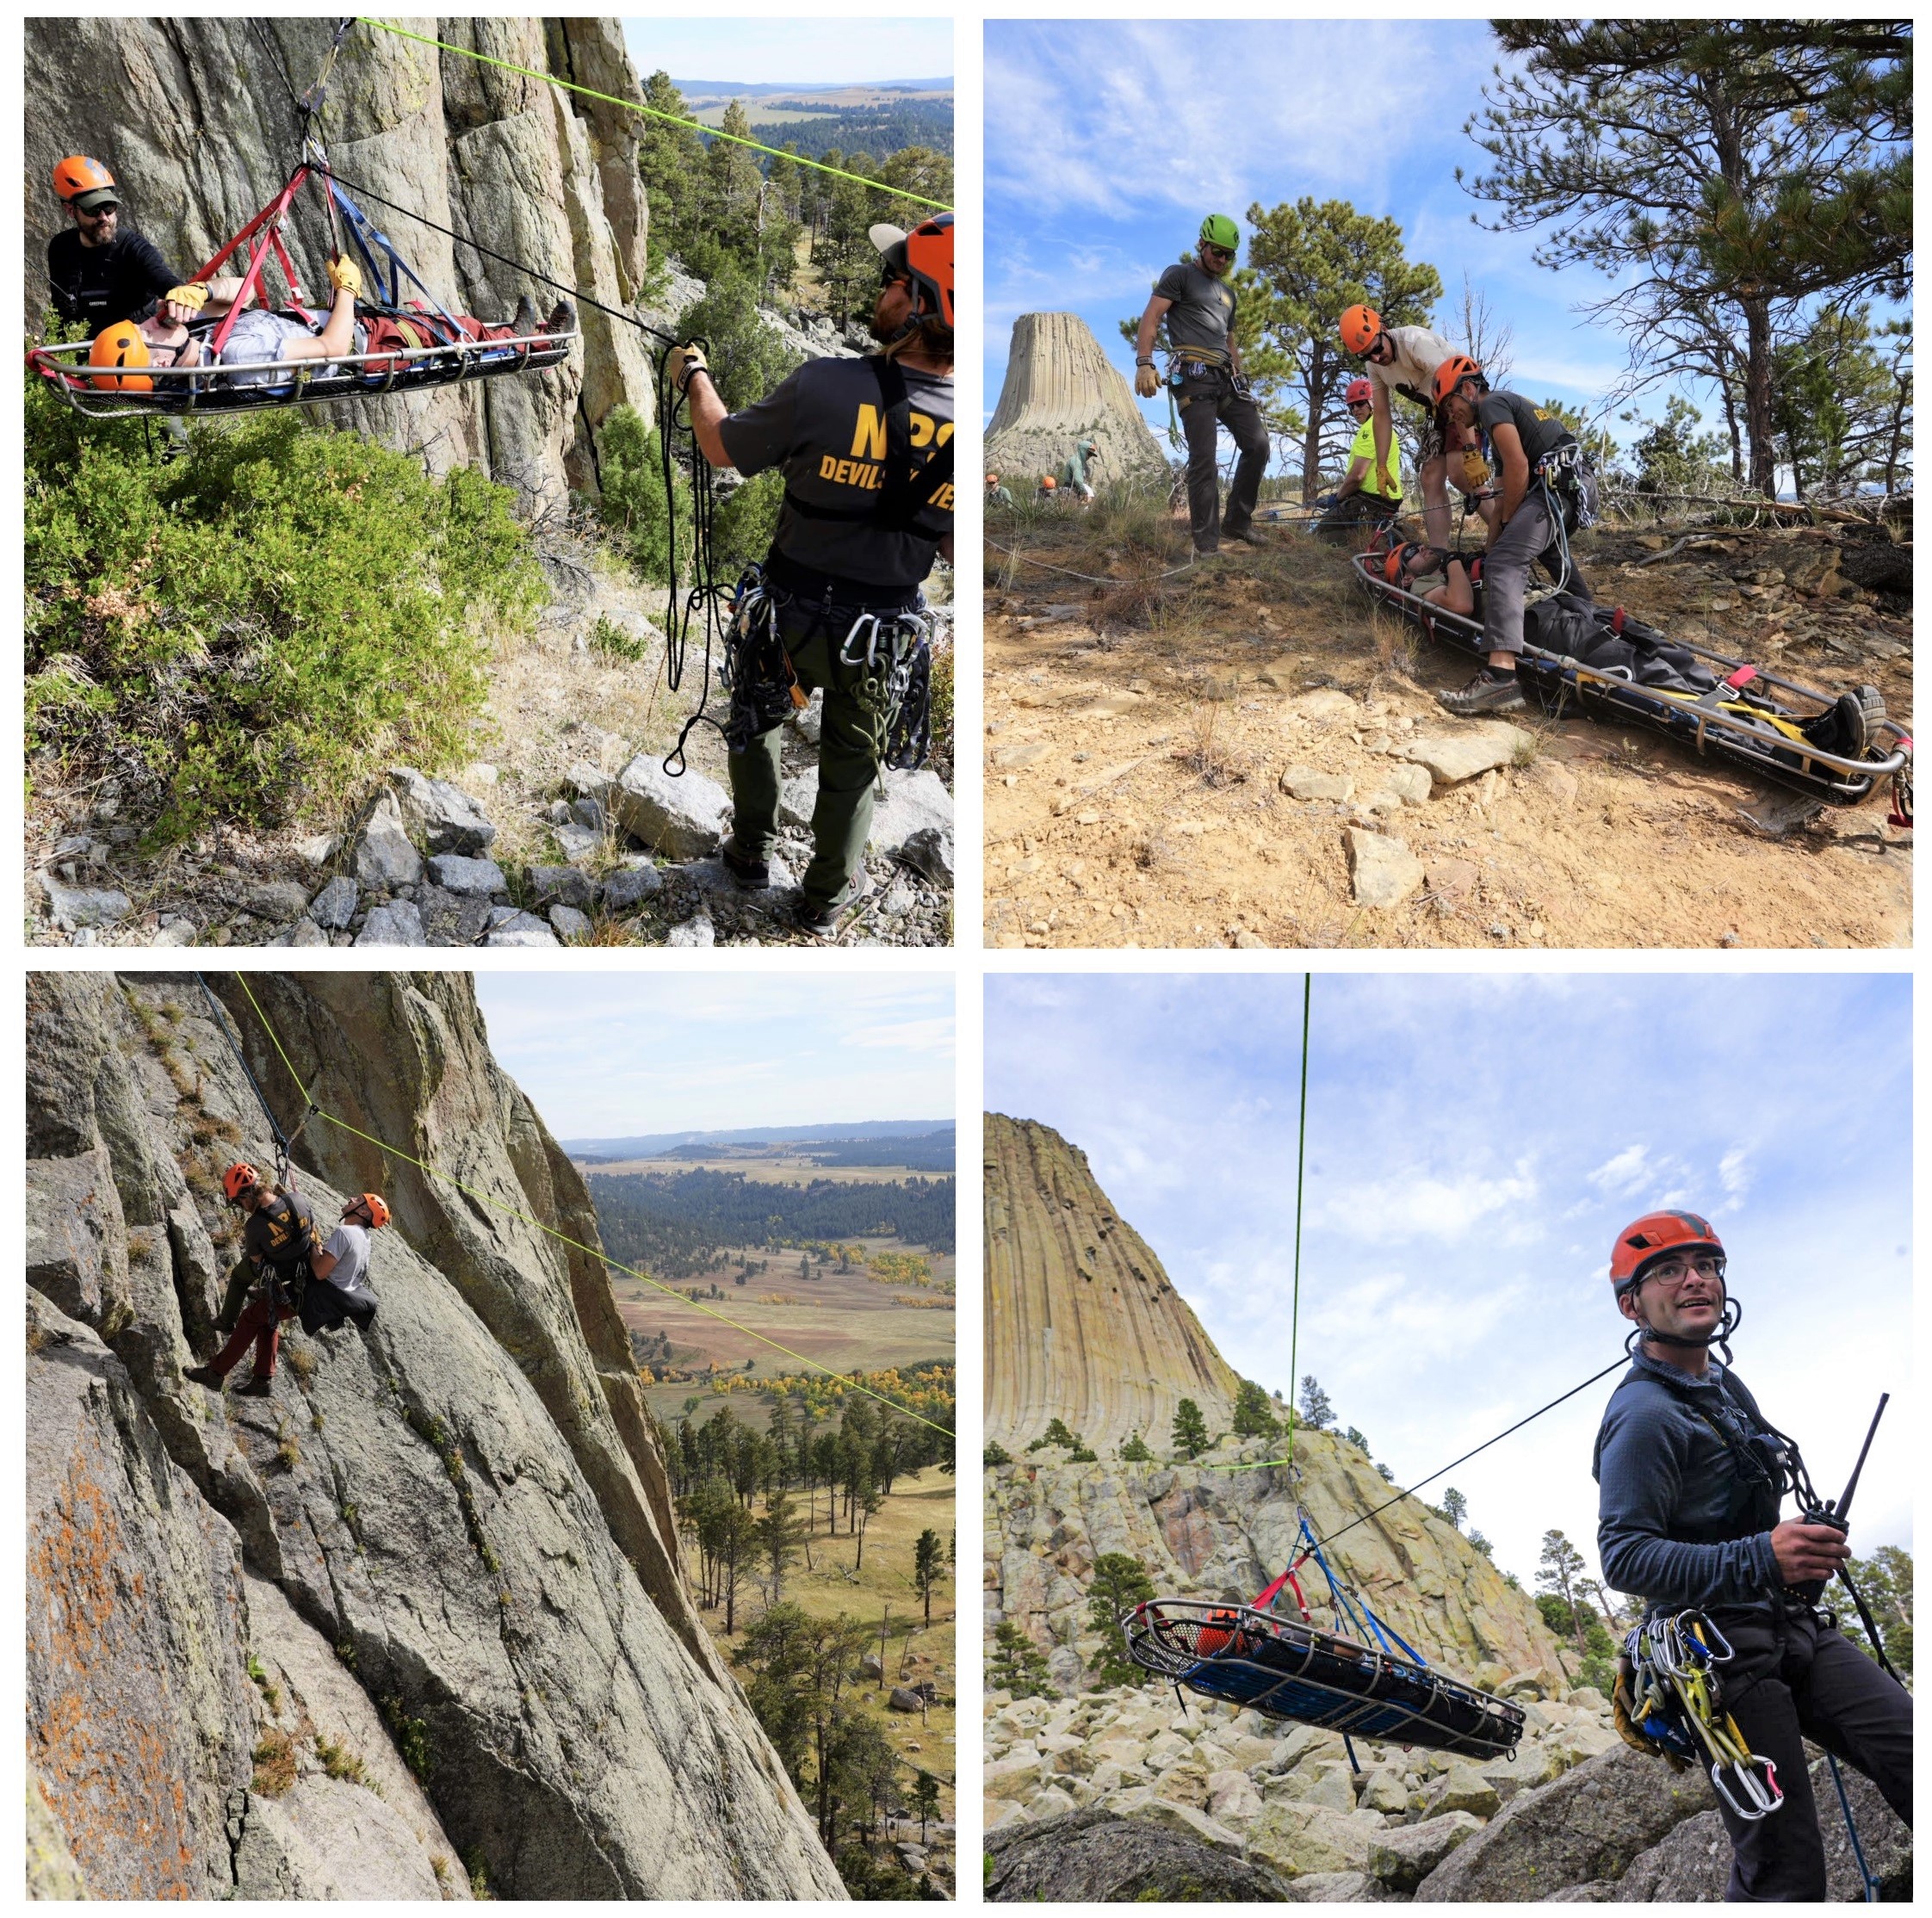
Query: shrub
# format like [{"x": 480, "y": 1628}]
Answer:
[
  {"x": 275, "y": 1764},
  {"x": 241, "y": 632},
  {"x": 631, "y": 504}
]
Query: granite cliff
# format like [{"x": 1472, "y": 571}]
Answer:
[
  {"x": 193, "y": 117},
  {"x": 415, "y": 1619},
  {"x": 1060, "y": 388}
]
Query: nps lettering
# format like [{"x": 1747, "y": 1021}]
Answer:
[{"x": 864, "y": 467}]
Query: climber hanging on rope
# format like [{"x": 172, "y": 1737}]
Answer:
[
  {"x": 1206, "y": 378},
  {"x": 100, "y": 272},
  {"x": 338, "y": 1291},
  {"x": 1693, "y": 1477},
  {"x": 866, "y": 448},
  {"x": 266, "y": 1284}
]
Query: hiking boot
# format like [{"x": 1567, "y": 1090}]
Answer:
[
  {"x": 256, "y": 1389},
  {"x": 205, "y": 1375},
  {"x": 1248, "y": 536},
  {"x": 562, "y": 319},
  {"x": 525, "y": 320},
  {"x": 1489, "y": 692},
  {"x": 825, "y": 922},
  {"x": 753, "y": 875},
  {"x": 1849, "y": 729}
]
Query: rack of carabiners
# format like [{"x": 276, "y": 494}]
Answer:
[{"x": 1669, "y": 1690}]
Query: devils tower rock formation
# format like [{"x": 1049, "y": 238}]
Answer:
[
  {"x": 1081, "y": 1321},
  {"x": 192, "y": 118},
  {"x": 418, "y": 1612},
  {"x": 1060, "y": 388}
]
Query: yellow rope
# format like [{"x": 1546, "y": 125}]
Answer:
[
  {"x": 656, "y": 113},
  {"x": 484, "y": 1199}
]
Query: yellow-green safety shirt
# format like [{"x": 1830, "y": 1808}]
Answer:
[{"x": 1364, "y": 450}]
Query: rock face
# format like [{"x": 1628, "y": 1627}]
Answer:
[
  {"x": 1081, "y": 1321},
  {"x": 1060, "y": 388},
  {"x": 417, "y": 1611},
  {"x": 193, "y": 118},
  {"x": 1089, "y": 1857}
]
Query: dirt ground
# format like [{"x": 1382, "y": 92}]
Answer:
[{"x": 1137, "y": 740}]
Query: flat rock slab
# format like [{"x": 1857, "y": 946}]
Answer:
[
  {"x": 1476, "y": 748},
  {"x": 699, "y": 931},
  {"x": 714, "y": 879},
  {"x": 1385, "y": 872},
  {"x": 1307, "y": 782},
  {"x": 683, "y": 817},
  {"x": 1017, "y": 758},
  {"x": 1327, "y": 703},
  {"x": 1411, "y": 784}
]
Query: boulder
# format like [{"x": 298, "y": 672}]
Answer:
[
  {"x": 395, "y": 923},
  {"x": 1403, "y": 1856},
  {"x": 562, "y": 886},
  {"x": 1188, "y": 1819},
  {"x": 334, "y": 906},
  {"x": 913, "y": 802},
  {"x": 899, "y": 1700},
  {"x": 1092, "y": 1857},
  {"x": 440, "y": 817},
  {"x": 1464, "y": 1789},
  {"x": 1385, "y": 871},
  {"x": 1589, "y": 1825},
  {"x": 568, "y": 924},
  {"x": 1291, "y": 1838},
  {"x": 457, "y": 873},
  {"x": 76, "y": 907},
  {"x": 683, "y": 817},
  {"x": 520, "y": 929},
  {"x": 1384, "y": 1791},
  {"x": 1451, "y": 758},
  {"x": 384, "y": 859},
  {"x": 624, "y": 892},
  {"x": 929, "y": 850}
]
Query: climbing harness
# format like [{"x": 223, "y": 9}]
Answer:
[
  {"x": 894, "y": 690},
  {"x": 491, "y": 1202},
  {"x": 1757, "y": 722},
  {"x": 1675, "y": 1702}
]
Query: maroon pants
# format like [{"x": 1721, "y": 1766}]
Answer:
[{"x": 261, "y": 1323}]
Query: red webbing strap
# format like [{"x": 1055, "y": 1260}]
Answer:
[
  {"x": 271, "y": 217},
  {"x": 1269, "y": 1593}
]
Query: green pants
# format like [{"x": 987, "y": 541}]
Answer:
[
  {"x": 242, "y": 1276},
  {"x": 848, "y": 761}
]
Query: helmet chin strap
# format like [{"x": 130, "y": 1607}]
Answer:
[{"x": 1720, "y": 1335}]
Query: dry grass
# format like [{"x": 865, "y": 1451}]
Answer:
[{"x": 276, "y": 1767}]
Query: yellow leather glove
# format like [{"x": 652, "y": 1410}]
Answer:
[
  {"x": 1147, "y": 381},
  {"x": 194, "y": 296},
  {"x": 345, "y": 276},
  {"x": 1476, "y": 470},
  {"x": 682, "y": 361}
]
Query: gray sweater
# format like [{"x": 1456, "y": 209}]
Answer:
[{"x": 1677, "y": 1521}]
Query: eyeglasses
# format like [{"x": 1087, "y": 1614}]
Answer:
[
  {"x": 1219, "y": 252},
  {"x": 1673, "y": 1273}
]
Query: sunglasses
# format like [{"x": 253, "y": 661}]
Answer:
[{"x": 1220, "y": 252}]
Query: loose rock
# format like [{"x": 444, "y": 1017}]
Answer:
[
  {"x": 455, "y": 873},
  {"x": 444, "y": 817},
  {"x": 1385, "y": 871},
  {"x": 384, "y": 857},
  {"x": 683, "y": 818},
  {"x": 334, "y": 906},
  {"x": 395, "y": 923}
]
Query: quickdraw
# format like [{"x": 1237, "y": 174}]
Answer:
[
  {"x": 755, "y": 669},
  {"x": 1669, "y": 1687},
  {"x": 894, "y": 653}
]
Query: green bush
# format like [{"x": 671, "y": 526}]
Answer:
[
  {"x": 632, "y": 505},
  {"x": 243, "y": 631}
]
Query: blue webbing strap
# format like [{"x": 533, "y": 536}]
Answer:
[
  {"x": 1851, "y": 1832},
  {"x": 365, "y": 233}
]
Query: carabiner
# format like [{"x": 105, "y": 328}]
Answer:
[
  {"x": 869, "y": 624},
  {"x": 1764, "y": 1800}
]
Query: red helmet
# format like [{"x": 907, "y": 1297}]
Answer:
[
  {"x": 238, "y": 1179},
  {"x": 1458, "y": 368},
  {"x": 1646, "y": 1239},
  {"x": 78, "y": 175},
  {"x": 372, "y": 1202},
  {"x": 122, "y": 344},
  {"x": 925, "y": 258},
  {"x": 1360, "y": 394},
  {"x": 1361, "y": 326}
]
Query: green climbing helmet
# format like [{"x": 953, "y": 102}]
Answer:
[{"x": 1218, "y": 230}]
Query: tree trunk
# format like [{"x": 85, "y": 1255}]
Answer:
[
  {"x": 1311, "y": 437},
  {"x": 1757, "y": 395}
]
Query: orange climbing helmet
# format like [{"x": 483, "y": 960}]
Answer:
[
  {"x": 238, "y": 1179},
  {"x": 1647, "y": 1239},
  {"x": 1049, "y": 482},
  {"x": 1361, "y": 392},
  {"x": 373, "y": 1204},
  {"x": 1458, "y": 368},
  {"x": 122, "y": 344},
  {"x": 84, "y": 183},
  {"x": 924, "y": 258},
  {"x": 993, "y": 479},
  {"x": 1361, "y": 326}
]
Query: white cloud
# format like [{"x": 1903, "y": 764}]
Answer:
[
  {"x": 1425, "y": 1206},
  {"x": 1734, "y": 1174},
  {"x": 1634, "y": 1170}
]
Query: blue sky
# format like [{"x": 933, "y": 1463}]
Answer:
[
  {"x": 1474, "y": 1144},
  {"x": 806, "y": 52},
  {"x": 604, "y": 1054},
  {"x": 1107, "y": 142}
]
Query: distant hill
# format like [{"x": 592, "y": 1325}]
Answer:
[
  {"x": 877, "y": 120},
  {"x": 645, "y": 1145}
]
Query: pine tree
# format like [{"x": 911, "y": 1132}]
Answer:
[
  {"x": 1120, "y": 1582},
  {"x": 1190, "y": 1434},
  {"x": 1315, "y": 1409},
  {"x": 1018, "y": 1665},
  {"x": 1135, "y": 1450},
  {"x": 1254, "y": 1412},
  {"x": 929, "y": 1568},
  {"x": 1455, "y": 1508}
]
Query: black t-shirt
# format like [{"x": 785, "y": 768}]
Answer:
[
  {"x": 824, "y": 428},
  {"x": 103, "y": 284},
  {"x": 275, "y": 1232},
  {"x": 1540, "y": 432},
  {"x": 1202, "y": 312}
]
